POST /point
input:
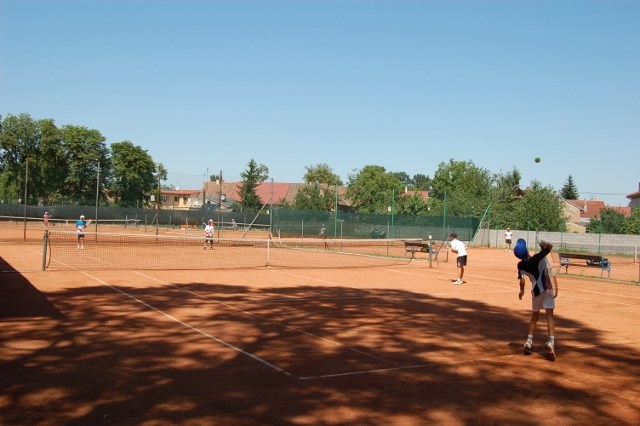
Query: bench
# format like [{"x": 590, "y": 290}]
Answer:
[
  {"x": 378, "y": 234},
  {"x": 414, "y": 247},
  {"x": 590, "y": 260}
]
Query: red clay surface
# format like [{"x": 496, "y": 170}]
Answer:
[{"x": 376, "y": 346}]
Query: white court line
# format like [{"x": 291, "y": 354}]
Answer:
[
  {"x": 204, "y": 333},
  {"x": 270, "y": 321},
  {"x": 563, "y": 290},
  {"x": 417, "y": 366}
]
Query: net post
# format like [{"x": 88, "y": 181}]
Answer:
[
  {"x": 45, "y": 242},
  {"x": 268, "y": 251}
]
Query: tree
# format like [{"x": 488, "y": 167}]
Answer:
[
  {"x": 505, "y": 194},
  {"x": 539, "y": 209},
  {"x": 85, "y": 152},
  {"x": 464, "y": 187},
  {"x": 569, "y": 191},
  {"x": 422, "y": 182},
  {"x": 317, "y": 194},
  {"x": 412, "y": 204},
  {"x": 609, "y": 222},
  {"x": 321, "y": 173},
  {"x": 632, "y": 223},
  {"x": 18, "y": 142},
  {"x": 373, "y": 189},
  {"x": 254, "y": 175},
  {"x": 133, "y": 174}
]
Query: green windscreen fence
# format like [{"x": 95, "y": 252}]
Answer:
[
  {"x": 283, "y": 222},
  {"x": 306, "y": 223}
]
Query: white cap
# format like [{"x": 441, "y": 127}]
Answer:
[{"x": 81, "y": 216}]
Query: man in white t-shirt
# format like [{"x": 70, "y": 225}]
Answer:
[
  {"x": 460, "y": 250},
  {"x": 507, "y": 239}
]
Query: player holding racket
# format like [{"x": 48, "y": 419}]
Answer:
[
  {"x": 81, "y": 226},
  {"x": 544, "y": 290},
  {"x": 208, "y": 234}
]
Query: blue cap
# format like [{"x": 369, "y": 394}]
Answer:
[{"x": 520, "y": 250}]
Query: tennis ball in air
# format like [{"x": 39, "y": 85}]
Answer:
[{"x": 537, "y": 160}]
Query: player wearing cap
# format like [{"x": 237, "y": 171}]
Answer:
[
  {"x": 539, "y": 271},
  {"x": 208, "y": 234},
  {"x": 460, "y": 250},
  {"x": 81, "y": 226}
]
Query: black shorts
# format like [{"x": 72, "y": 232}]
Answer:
[
  {"x": 507, "y": 241},
  {"x": 461, "y": 260}
]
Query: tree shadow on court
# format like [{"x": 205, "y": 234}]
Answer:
[
  {"x": 19, "y": 298},
  {"x": 234, "y": 355}
]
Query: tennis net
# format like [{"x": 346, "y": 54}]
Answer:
[{"x": 103, "y": 251}]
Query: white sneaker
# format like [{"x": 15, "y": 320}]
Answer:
[
  {"x": 457, "y": 282},
  {"x": 527, "y": 349},
  {"x": 550, "y": 350}
]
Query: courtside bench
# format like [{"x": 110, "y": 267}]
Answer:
[
  {"x": 589, "y": 260},
  {"x": 415, "y": 246}
]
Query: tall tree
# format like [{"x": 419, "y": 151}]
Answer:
[
  {"x": 570, "y": 191},
  {"x": 19, "y": 142},
  {"x": 374, "y": 190},
  {"x": 464, "y": 187},
  {"x": 254, "y": 175},
  {"x": 86, "y": 153},
  {"x": 539, "y": 209},
  {"x": 320, "y": 189},
  {"x": 132, "y": 173},
  {"x": 53, "y": 167},
  {"x": 505, "y": 195}
]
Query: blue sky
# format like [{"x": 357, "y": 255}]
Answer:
[{"x": 206, "y": 86}]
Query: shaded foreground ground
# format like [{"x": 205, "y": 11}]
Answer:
[{"x": 390, "y": 345}]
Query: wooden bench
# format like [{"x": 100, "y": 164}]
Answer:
[
  {"x": 414, "y": 247},
  {"x": 590, "y": 260}
]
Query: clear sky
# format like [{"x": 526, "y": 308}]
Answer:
[{"x": 206, "y": 86}]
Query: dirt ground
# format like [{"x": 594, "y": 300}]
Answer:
[{"x": 369, "y": 346}]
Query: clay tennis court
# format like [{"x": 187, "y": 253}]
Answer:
[{"x": 375, "y": 346}]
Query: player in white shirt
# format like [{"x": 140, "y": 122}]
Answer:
[{"x": 460, "y": 250}]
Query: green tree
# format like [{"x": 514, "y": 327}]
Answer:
[
  {"x": 505, "y": 194},
  {"x": 609, "y": 222},
  {"x": 319, "y": 190},
  {"x": 632, "y": 223},
  {"x": 412, "y": 204},
  {"x": 133, "y": 174},
  {"x": 373, "y": 189},
  {"x": 19, "y": 141},
  {"x": 464, "y": 187},
  {"x": 570, "y": 191},
  {"x": 422, "y": 182},
  {"x": 53, "y": 167},
  {"x": 85, "y": 152},
  {"x": 539, "y": 209},
  {"x": 254, "y": 175},
  {"x": 404, "y": 179},
  {"x": 321, "y": 173}
]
